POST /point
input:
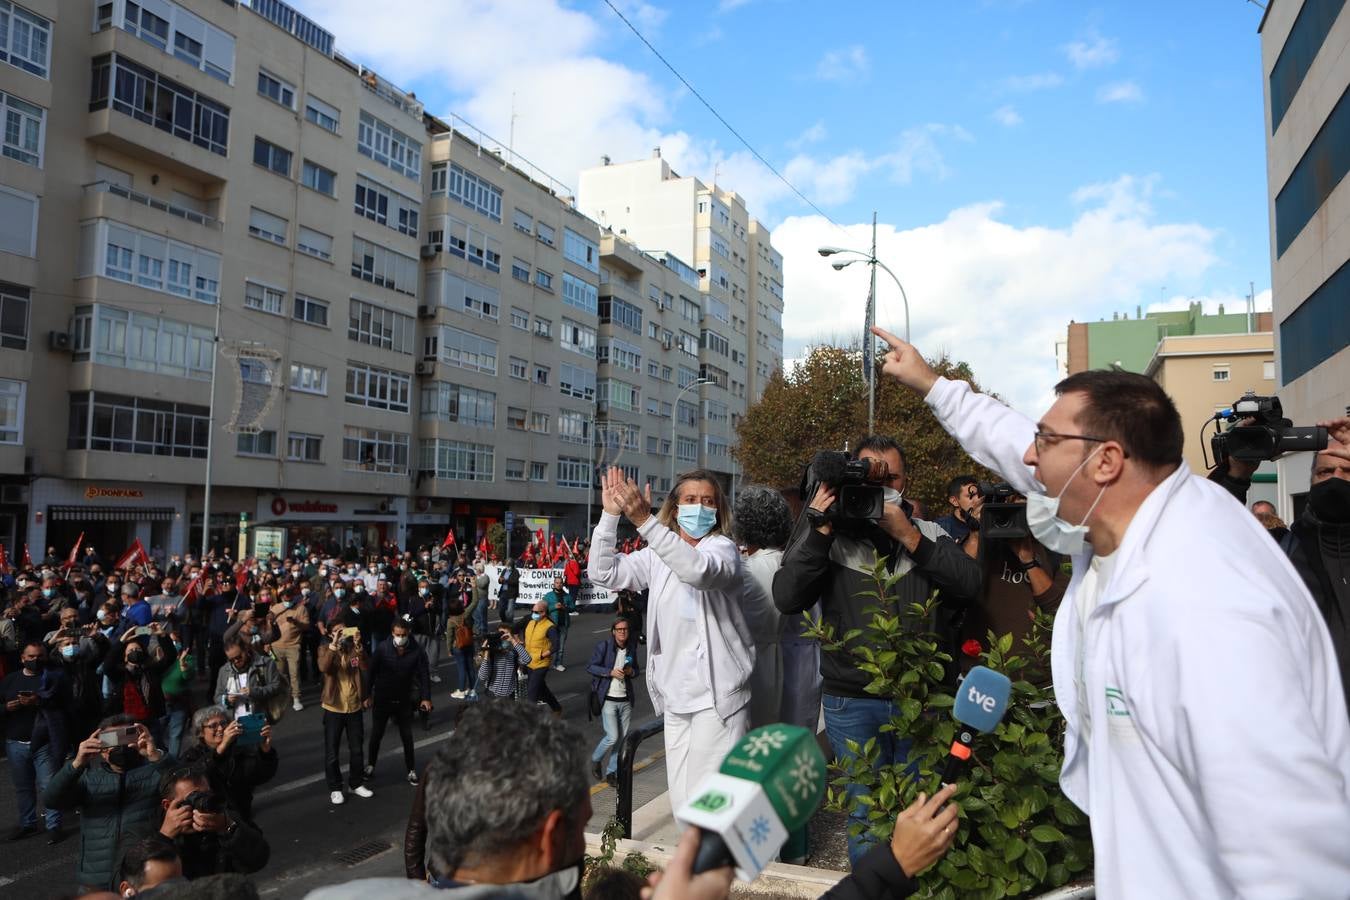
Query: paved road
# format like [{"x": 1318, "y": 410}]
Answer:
[{"x": 305, "y": 830}]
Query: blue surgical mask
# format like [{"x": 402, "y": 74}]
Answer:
[
  {"x": 339, "y": 593},
  {"x": 69, "y": 651},
  {"x": 47, "y": 592},
  {"x": 696, "y": 520},
  {"x": 536, "y": 616}
]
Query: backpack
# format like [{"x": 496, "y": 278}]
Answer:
[{"x": 463, "y": 636}]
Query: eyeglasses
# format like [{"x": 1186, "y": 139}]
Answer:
[
  {"x": 215, "y": 726},
  {"x": 1044, "y": 439}
]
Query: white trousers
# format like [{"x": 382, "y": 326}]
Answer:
[{"x": 696, "y": 744}]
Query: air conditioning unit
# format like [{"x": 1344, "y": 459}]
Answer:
[
  {"x": 429, "y": 251},
  {"x": 426, "y": 312},
  {"x": 426, "y": 367},
  {"x": 59, "y": 340}
]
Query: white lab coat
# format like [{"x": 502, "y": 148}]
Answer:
[{"x": 1218, "y": 761}]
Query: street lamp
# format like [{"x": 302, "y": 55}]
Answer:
[
  {"x": 870, "y": 316},
  {"x": 674, "y": 418}
]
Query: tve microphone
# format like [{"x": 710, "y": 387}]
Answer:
[
  {"x": 981, "y": 701},
  {"x": 769, "y": 784}
]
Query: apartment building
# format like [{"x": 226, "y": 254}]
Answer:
[
  {"x": 734, "y": 321},
  {"x": 1306, "y": 73}
]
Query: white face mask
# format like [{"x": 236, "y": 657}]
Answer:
[
  {"x": 1046, "y": 526},
  {"x": 400, "y": 641}
]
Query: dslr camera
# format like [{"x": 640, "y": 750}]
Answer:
[
  {"x": 203, "y": 802},
  {"x": 1002, "y": 517},
  {"x": 858, "y": 484},
  {"x": 1269, "y": 435}
]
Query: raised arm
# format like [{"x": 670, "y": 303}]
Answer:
[{"x": 618, "y": 572}]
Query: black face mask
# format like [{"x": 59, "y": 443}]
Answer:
[
  {"x": 125, "y": 758},
  {"x": 136, "y": 657},
  {"x": 1330, "y": 501}
]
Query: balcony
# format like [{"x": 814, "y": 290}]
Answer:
[{"x": 96, "y": 205}]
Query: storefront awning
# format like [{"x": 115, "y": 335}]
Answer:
[{"x": 110, "y": 513}]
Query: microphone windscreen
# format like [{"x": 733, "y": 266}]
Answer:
[
  {"x": 982, "y": 698},
  {"x": 828, "y": 467}
]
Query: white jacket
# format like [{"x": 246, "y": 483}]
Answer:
[
  {"x": 669, "y": 567},
  {"x": 1218, "y": 762}
]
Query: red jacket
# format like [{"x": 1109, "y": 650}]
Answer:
[{"x": 571, "y": 573}]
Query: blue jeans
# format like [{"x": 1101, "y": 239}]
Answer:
[
  {"x": 464, "y": 661},
  {"x": 562, "y": 643},
  {"x": 615, "y": 717},
  {"x": 172, "y": 726},
  {"x": 480, "y": 614},
  {"x": 850, "y": 718},
  {"x": 31, "y": 768}
]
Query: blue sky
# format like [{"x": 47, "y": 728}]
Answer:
[{"x": 1031, "y": 161}]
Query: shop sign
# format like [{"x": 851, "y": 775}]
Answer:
[
  {"x": 94, "y": 492},
  {"x": 280, "y": 507}
]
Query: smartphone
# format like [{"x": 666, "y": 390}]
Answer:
[
  {"x": 121, "y": 736},
  {"x": 142, "y": 631},
  {"x": 350, "y": 631},
  {"x": 24, "y": 695},
  {"x": 252, "y": 723}
]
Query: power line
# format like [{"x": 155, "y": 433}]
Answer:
[{"x": 693, "y": 90}]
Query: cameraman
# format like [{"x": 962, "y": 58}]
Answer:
[
  {"x": 1318, "y": 543},
  {"x": 832, "y": 563},
  {"x": 963, "y": 496},
  {"x": 209, "y": 837}
]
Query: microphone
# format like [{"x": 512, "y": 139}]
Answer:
[
  {"x": 769, "y": 785},
  {"x": 981, "y": 701}
]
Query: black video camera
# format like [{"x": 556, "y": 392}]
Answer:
[
  {"x": 858, "y": 484},
  {"x": 1001, "y": 516},
  {"x": 203, "y": 802},
  {"x": 1269, "y": 435}
]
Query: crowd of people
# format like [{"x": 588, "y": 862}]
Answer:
[{"x": 145, "y": 696}]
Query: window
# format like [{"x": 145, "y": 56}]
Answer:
[
  {"x": 101, "y": 421},
  {"x": 378, "y": 388},
  {"x": 373, "y": 450},
  {"x": 309, "y": 379},
  {"x": 25, "y": 39},
  {"x": 712, "y": 341},
  {"x": 690, "y": 311},
  {"x": 686, "y": 449},
  {"x": 322, "y": 114},
  {"x": 276, "y": 89},
  {"x": 13, "y": 317},
  {"x": 473, "y": 298},
  {"x": 621, "y": 394},
  {"x": 465, "y": 350},
  {"x": 387, "y": 206},
  {"x": 314, "y": 243},
  {"x": 577, "y": 338},
  {"x": 714, "y": 374},
  {"x": 520, "y": 319},
  {"x": 18, "y": 224},
  {"x": 543, "y": 279},
  {"x": 541, "y": 374},
  {"x": 544, "y": 233},
  {"x": 686, "y": 413},
  {"x": 625, "y": 356},
  {"x": 389, "y": 146},
  {"x": 582, "y": 251},
  {"x": 110, "y": 336},
  {"x": 543, "y": 327},
  {"x": 1220, "y": 373},
  {"x": 574, "y": 427},
  {"x": 270, "y": 156},
  {"x": 264, "y": 299},
  {"x": 583, "y": 295},
  {"x": 459, "y": 404},
  {"x": 538, "y": 471},
  {"x": 456, "y": 460},
  {"x": 539, "y": 422},
  {"x": 24, "y": 125},
  {"x": 164, "y": 24},
  {"x": 515, "y": 418},
  {"x": 155, "y": 100},
  {"x": 304, "y": 447},
  {"x": 267, "y": 226},
  {"x": 12, "y": 395},
  {"x": 1318, "y": 329},
  {"x": 1268, "y": 370},
  {"x": 263, "y": 443},
  {"x": 475, "y": 192},
  {"x": 308, "y": 309},
  {"x": 470, "y": 243},
  {"x": 515, "y": 470},
  {"x": 385, "y": 267},
  {"x": 573, "y": 472},
  {"x": 621, "y": 313},
  {"x": 1323, "y": 166},
  {"x": 254, "y": 371},
  {"x": 316, "y": 177},
  {"x": 518, "y": 367},
  {"x": 520, "y": 270},
  {"x": 574, "y": 381},
  {"x": 438, "y": 177},
  {"x": 115, "y": 250},
  {"x": 522, "y": 222},
  {"x": 687, "y": 376},
  {"x": 380, "y": 327},
  {"x": 1301, "y": 47}
]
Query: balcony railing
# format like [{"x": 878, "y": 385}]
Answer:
[
  {"x": 390, "y": 94},
  {"x": 107, "y": 187}
]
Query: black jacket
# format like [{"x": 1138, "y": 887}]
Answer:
[
  {"x": 148, "y": 678},
  {"x": 1303, "y": 546},
  {"x": 245, "y": 850},
  {"x": 393, "y": 677},
  {"x": 236, "y": 774},
  {"x": 877, "y": 876},
  {"x": 834, "y": 569},
  {"x": 509, "y": 587}
]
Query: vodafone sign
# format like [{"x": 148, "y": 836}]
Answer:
[{"x": 280, "y": 507}]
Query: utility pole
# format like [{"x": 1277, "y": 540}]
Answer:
[
  {"x": 869, "y": 342},
  {"x": 210, "y": 436}
]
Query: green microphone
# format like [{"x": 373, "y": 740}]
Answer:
[{"x": 769, "y": 785}]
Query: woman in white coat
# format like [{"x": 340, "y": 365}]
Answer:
[
  {"x": 700, "y": 654},
  {"x": 763, "y": 522}
]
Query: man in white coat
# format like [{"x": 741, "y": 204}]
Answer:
[{"x": 1206, "y": 730}]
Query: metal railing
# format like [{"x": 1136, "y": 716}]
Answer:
[
  {"x": 623, "y": 808},
  {"x": 191, "y": 215}
]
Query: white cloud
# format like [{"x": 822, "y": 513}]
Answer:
[
  {"x": 645, "y": 16},
  {"x": 1007, "y": 116},
  {"x": 813, "y": 135},
  {"x": 1092, "y": 53},
  {"x": 1120, "y": 92},
  {"x": 845, "y": 64},
  {"x": 996, "y": 295},
  {"x": 1025, "y": 84}
]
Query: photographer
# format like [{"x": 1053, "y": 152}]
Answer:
[
  {"x": 502, "y": 652},
  {"x": 248, "y": 681},
  {"x": 209, "y": 837},
  {"x": 136, "y": 674},
  {"x": 234, "y": 769},
  {"x": 113, "y": 782},
  {"x": 963, "y": 496},
  {"x": 832, "y": 562},
  {"x": 343, "y": 664}
]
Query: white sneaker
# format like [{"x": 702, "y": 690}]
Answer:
[
  {"x": 412, "y": 777},
  {"x": 297, "y": 705},
  {"x": 337, "y": 798},
  {"x": 457, "y": 695},
  {"x": 435, "y": 679},
  {"x": 363, "y": 791}
]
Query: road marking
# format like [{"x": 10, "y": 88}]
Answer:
[
  {"x": 637, "y": 767},
  {"x": 314, "y": 779}
]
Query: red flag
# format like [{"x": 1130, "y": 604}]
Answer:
[
  {"x": 449, "y": 539},
  {"x": 559, "y": 554},
  {"x": 190, "y": 595},
  {"x": 135, "y": 553},
  {"x": 576, "y": 546},
  {"x": 241, "y": 579},
  {"x": 74, "y": 551},
  {"x": 539, "y": 537},
  {"x": 4, "y": 561},
  {"x": 483, "y": 546},
  {"x": 27, "y": 560}
]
